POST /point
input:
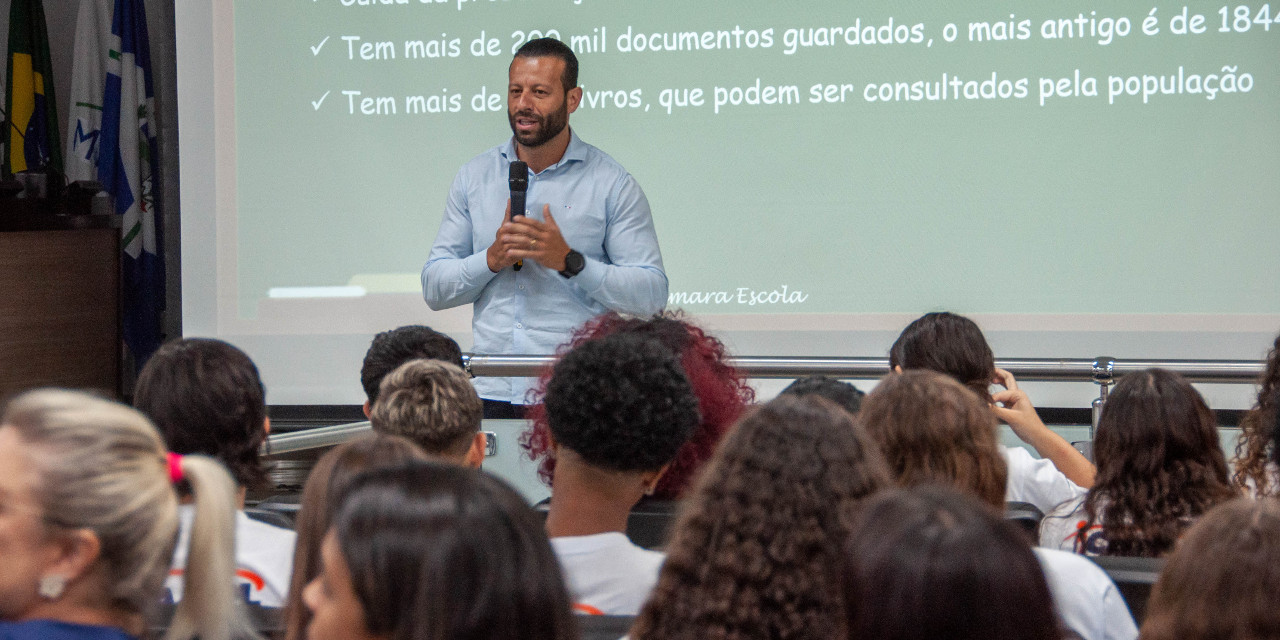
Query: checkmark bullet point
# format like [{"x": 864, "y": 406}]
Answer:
[
  {"x": 315, "y": 51},
  {"x": 316, "y": 103}
]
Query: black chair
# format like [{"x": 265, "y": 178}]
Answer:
[
  {"x": 286, "y": 505},
  {"x": 267, "y": 516},
  {"x": 268, "y": 621},
  {"x": 1134, "y": 577},
  {"x": 650, "y": 522},
  {"x": 1025, "y": 515},
  {"x": 604, "y": 627}
]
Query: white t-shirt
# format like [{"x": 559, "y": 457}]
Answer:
[
  {"x": 606, "y": 573},
  {"x": 1058, "y": 529},
  {"x": 1036, "y": 481},
  {"x": 1087, "y": 601},
  {"x": 264, "y": 559}
]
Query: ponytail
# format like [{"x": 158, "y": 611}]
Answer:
[{"x": 210, "y": 609}]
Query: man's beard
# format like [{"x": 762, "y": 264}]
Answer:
[{"x": 548, "y": 127}]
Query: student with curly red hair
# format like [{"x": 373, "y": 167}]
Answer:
[{"x": 722, "y": 393}]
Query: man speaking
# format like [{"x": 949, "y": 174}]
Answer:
[{"x": 585, "y": 244}]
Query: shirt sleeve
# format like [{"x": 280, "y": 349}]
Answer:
[
  {"x": 1037, "y": 481},
  {"x": 456, "y": 270},
  {"x": 633, "y": 280}
]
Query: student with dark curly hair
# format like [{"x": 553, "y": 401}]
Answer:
[
  {"x": 435, "y": 550},
  {"x": 1160, "y": 467},
  {"x": 1221, "y": 579},
  {"x": 619, "y": 408},
  {"x": 954, "y": 345},
  {"x": 930, "y": 563},
  {"x": 390, "y": 349},
  {"x": 934, "y": 431},
  {"x": 1257, "y": 460},
  {"x": 205, "y": 396},
  {"x": 756, "y": 549},
  {"x": 722, "y": 393}
]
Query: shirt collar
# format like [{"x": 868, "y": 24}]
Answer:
[{"x": 575, "y": 152}]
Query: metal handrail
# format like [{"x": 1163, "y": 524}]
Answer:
[
  {"x": 1101, "y": 370},
  {"x": 1031, "y": 369}
]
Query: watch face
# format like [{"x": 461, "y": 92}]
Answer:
[{"x": 574, "y": 262}]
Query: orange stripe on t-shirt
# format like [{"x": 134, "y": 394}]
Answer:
[
  {"x": 254, "y": 579},
  {"x": 587, "y": 609}
]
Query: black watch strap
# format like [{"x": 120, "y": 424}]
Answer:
[{"x": 573, "y": 264}]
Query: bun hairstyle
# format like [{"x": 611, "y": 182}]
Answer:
[{"x": 102, "y": 466}]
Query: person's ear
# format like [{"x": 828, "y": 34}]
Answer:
[
  {"x": 651, "y": 478},
  {"x": 76, "y": 552},
  {"x": 266, "y": 425},
  {"x": 475, "y": 454},
  {"x": 574, "y": 98},
  {"x": 367, "y": 407},
  {"x": 897, "y": 368}
]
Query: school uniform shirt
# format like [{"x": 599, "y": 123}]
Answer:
[
  {"x": 1086, "y": 599},
  {"x": 606, "y": 573},
  {"x": 1036, "y": 481},
  {"x": 54, "y": 630},
  {"x": 264, "y": 559},
  {"x": 1058, "y": 530}
]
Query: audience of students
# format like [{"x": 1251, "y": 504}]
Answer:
[
  {"x": 435, "y": 550},
  {"x": 954, "y": 345},
  {"x": 1222, "y": 578},
  {"x": 722, "y": 393},
  {"x": 930, "y": 563},
  {"x": 756, "y": 548},
  {"x": 433, "y": 404},
  {"x": 847, "y": 396},
  {"x": 328, "y": 479},
  {"x": 619, "y": 408},
  {"x": 787, "y": 529},
  {"x": 393, "y": 348},
  {"x": 88, "y": 519},
  {"x": 205, "y": 397},
  {"x": 1160, "y": 466},
  {"x": 932, "y": 430},
  {"x": 1257, "y": 460}
]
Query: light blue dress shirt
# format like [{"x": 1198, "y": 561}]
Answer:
[{"x": 602, "y": 213}]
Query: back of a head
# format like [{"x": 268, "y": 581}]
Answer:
[
  {"x": 1257, "y": 453},
  {"x": 1159, "y": 460},
  {"x": 103, "y": 467},
  {"x": 622, "y": 403},
  {"x": 787, "y": 479},
  {"x": 947, "y": 343},
  {"x": 931, "y": 562},
  {"x": 1222, "y": 578},
  {"x": 932, "y": 430},
  {"x": 329, "y": 478},
  {"x": 431, "y": 403},
  {"x": 838, "y": 391},
  {"x": 441, "y": 551},
  {"x": 390, "y": 349},
  {"x": 205, "y": 396}
]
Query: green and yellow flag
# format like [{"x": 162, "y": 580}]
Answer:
[{"x": 31, "y": 129}]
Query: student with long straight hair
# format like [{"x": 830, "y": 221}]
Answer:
[
  {"x": 327, "y": 480},
  {"x": 954, "y": 345},
  {"x": 930, "y": 563},
  {"x": 1221, "y": 580},
  {"x": 431, "y": 550},
  {"x": 88, "y": 520},
  {"x": 1160, "y": 467},
  {"x": 756, "y": 548}
]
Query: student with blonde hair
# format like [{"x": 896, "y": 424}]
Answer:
[
  {"x": 88, "y": 520},
  {"x": 433, "y": 404}
]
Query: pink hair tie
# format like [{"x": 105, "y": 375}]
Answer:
[{"x": 175, "y": 468}]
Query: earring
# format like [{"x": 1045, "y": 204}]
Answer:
[{"x": 52, "y": 586}]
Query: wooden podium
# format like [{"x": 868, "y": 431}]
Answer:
[{"x": 59, "y": 299}]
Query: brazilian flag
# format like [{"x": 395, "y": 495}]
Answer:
[{"x": 31, "y": 131}]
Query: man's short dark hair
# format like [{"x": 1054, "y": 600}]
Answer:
[
  {"x": 840, "y": 392},
  {"x": 552, "y": 48},
  {"x": 393, "y": 348},
  {"x": 205, "y": 397},
  {"x": 622, "y": 402}
]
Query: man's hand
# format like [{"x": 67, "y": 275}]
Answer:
[
  {"x": 498, "y": 256},
  {"x": 537, "y": 240}
]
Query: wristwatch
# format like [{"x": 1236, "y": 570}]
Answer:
[{"x": 573, "y": 264}]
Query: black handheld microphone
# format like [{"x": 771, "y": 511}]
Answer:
[{"x": 518, "y": 180}]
